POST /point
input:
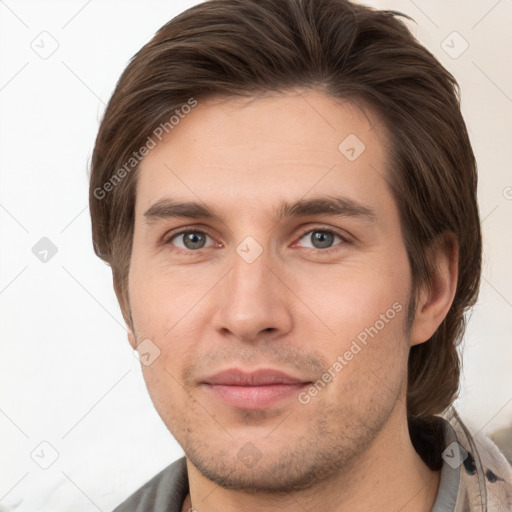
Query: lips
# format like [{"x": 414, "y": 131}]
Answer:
[
  {"x": 235, "y": 377},
  {"x": 255, "y": 390}
]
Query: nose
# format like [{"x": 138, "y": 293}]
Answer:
[{"x": 254, "y": 301}]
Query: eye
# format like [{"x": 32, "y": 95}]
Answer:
[
  {"x": 193, "y": 240},
  {"x": 322, "y": 239},
  {"x": 188, "y": 240}
]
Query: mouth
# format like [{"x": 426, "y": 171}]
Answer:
[{"x": 255, "y": 390}]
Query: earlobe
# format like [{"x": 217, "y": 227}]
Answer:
[
  {"x": 125, "y": 313},
  {"x": 131, "y": 338},
  {"x": 435, "y": 300}
]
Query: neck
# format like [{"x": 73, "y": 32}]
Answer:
[{"x": 388, "y": 476}]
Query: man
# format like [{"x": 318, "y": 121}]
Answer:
[{"x": 286, "y": 193}]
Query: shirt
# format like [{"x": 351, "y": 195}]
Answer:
[{"x": 475, "y": 476}]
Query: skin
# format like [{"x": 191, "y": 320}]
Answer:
[{"x": 292, "y": 309}]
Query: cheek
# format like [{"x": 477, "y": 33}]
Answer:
[
  {"x": 161, "y": 298},
  {"x": 170, "y": 309},
  {"x": 168, "y": 395},
  {"x": 365, "y": 308},
  {"x": 351, "y": 297},
  {"x": 367, "y": 370}
]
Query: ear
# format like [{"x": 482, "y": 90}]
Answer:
[
  {"x": 435, "y": 300},
  {"x": 125, "y": 310}
]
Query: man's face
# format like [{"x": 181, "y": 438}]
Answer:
[{"x": 320, "y": 297}]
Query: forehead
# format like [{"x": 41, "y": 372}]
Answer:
[{"x": 267, "y": 149}]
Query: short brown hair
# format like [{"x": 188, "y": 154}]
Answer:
[{"x": 249, "y": 47}]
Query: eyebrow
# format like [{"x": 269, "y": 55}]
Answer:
[{"x": 168, "y": 208}]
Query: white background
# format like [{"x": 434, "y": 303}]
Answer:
[{"x": 68, "y": 376}]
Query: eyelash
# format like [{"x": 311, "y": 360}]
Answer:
[
  {"x": 322, "y": 229},
  {"x": 325, "y": 229}
]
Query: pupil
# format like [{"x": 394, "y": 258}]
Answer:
[
  {"x": 325, "y": 239},
  {"x": 191, "y": 240}
]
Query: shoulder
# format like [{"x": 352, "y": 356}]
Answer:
[
  {"x": 486, "y": 475},
  {"x": 164, "y": 492}
]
